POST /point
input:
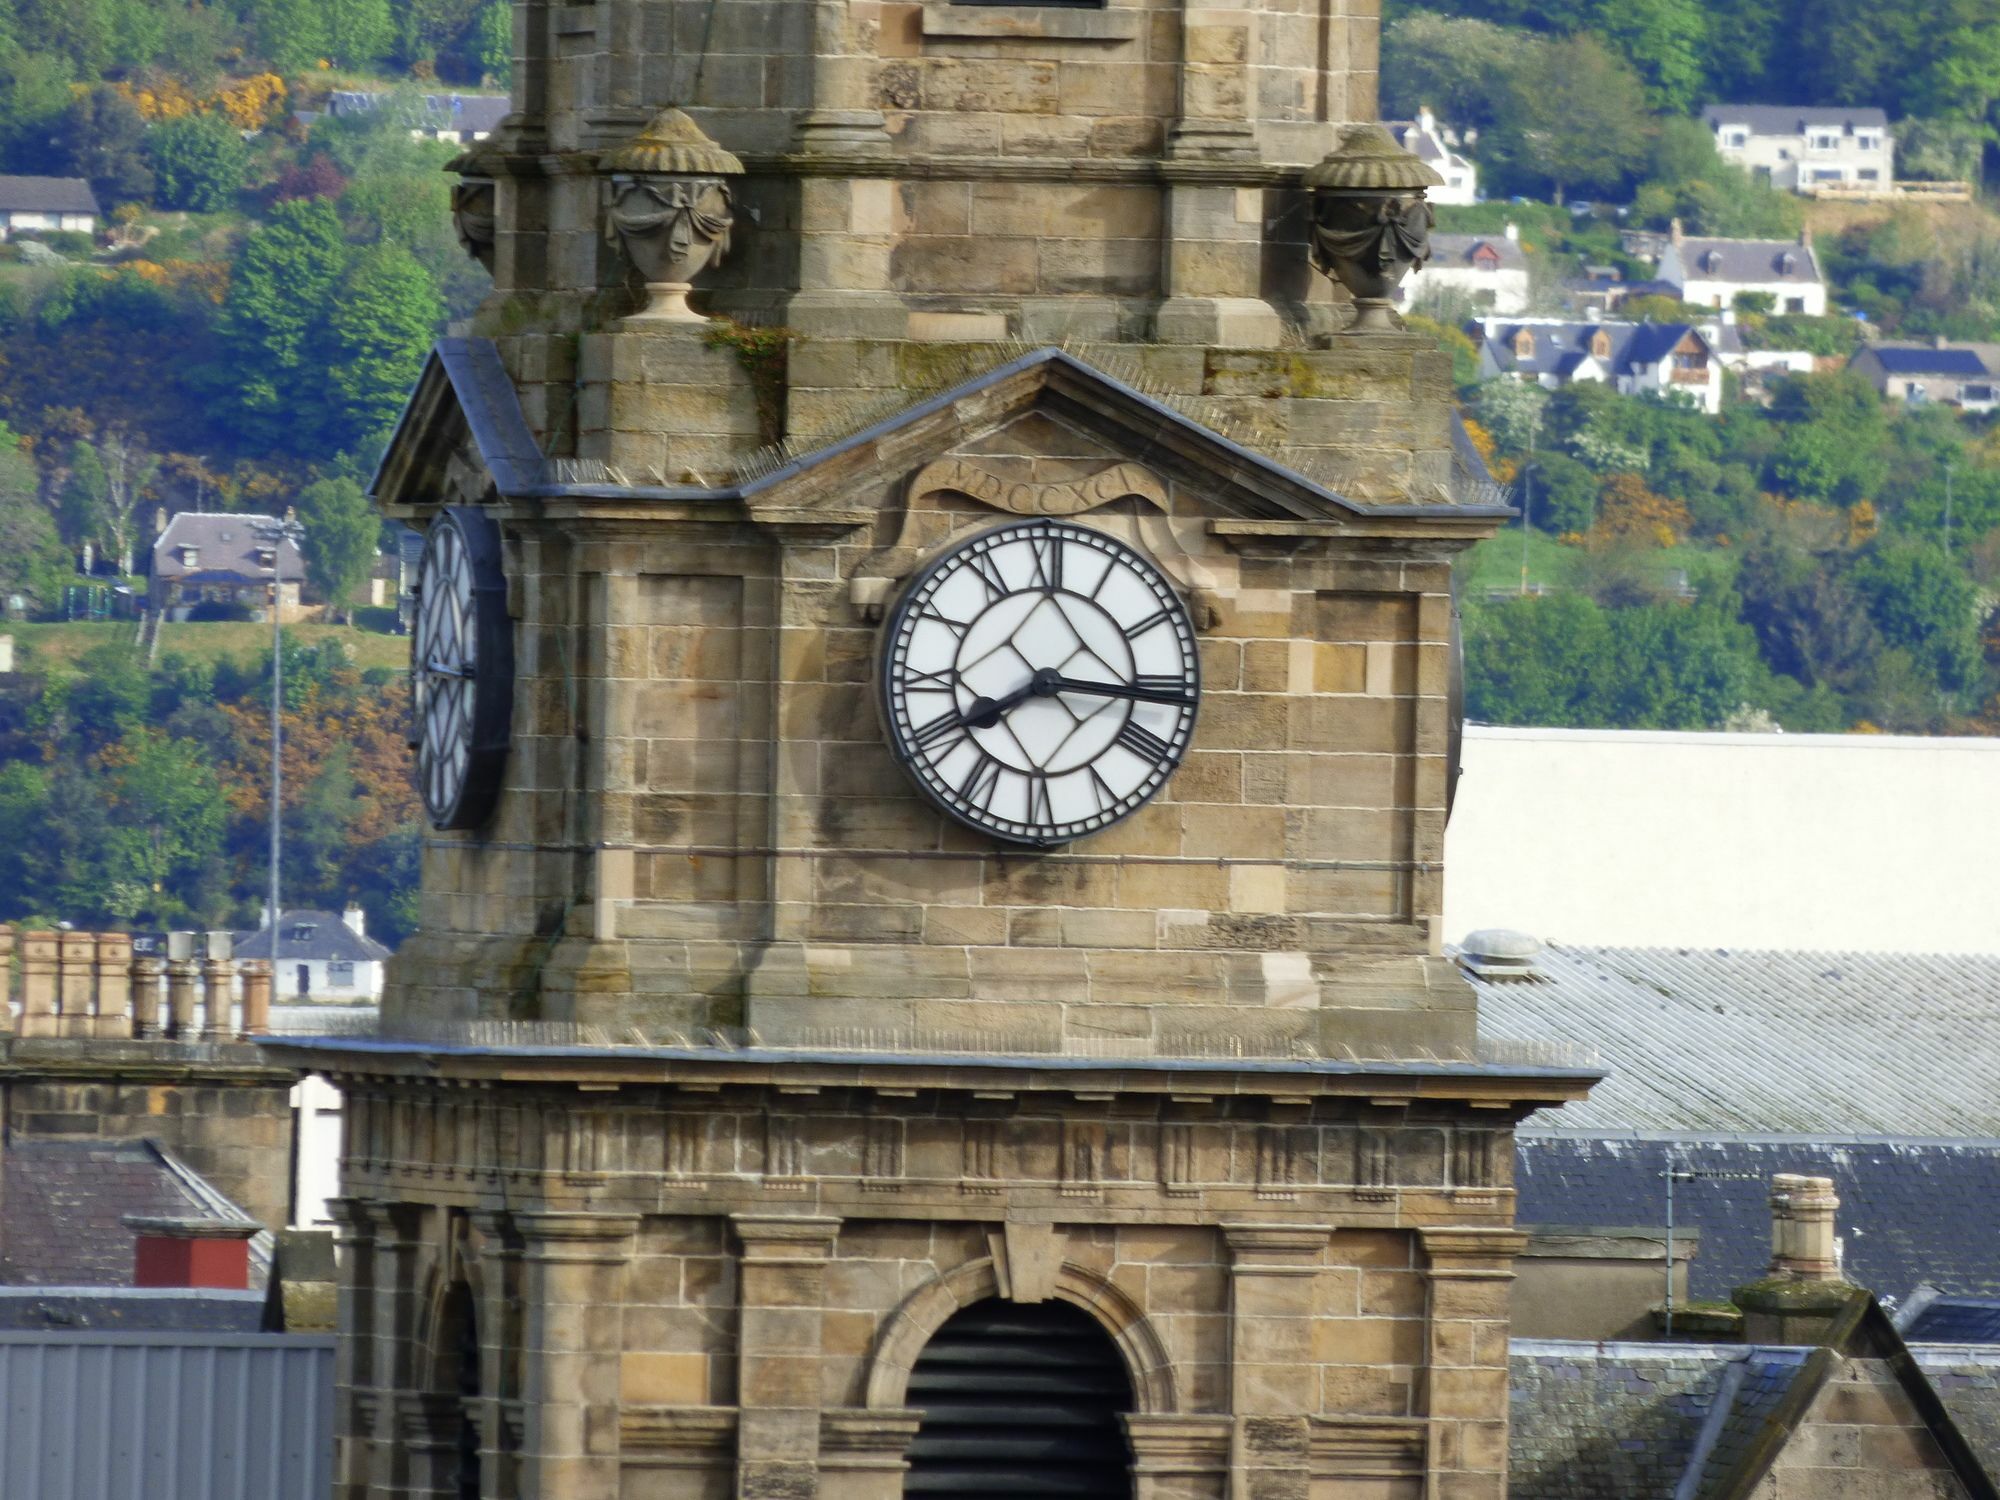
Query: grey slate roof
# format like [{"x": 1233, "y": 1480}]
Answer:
[
  {"x": 131, "y": 1309},
  {"x": 1750, "y": 261},
  {"x": 226, "y": 546},
  {"x": 66, "y": 1202},
  {"x": 1609, "y": 1421},
  {"x": 478, "y": 114},
  {"x": 1926, "y": 359},
  {"x": 1933, "y": 1317},
  {"x": 1968, "y": 1382},
  {"x": 1456, "y": 250},
  {"x": 1791, "y": 119},
  {"x": 46, "y": 195},
  {"x": 1772, "y": 1043},
  {"x": 305, "y": 935},
  {"x": 1910, "y": 1211}
]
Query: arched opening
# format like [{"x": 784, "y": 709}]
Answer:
[
  {"x": 1020, "y": 1401},
  {"x": 459, "y": 1351}
]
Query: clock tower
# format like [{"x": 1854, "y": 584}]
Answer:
[{"x": 933, "y": 691}]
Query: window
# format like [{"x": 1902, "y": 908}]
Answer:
[
  {"x": 1736, "y": 138},
  {"x": 1824, "y": 140},
  {"x": 340, "y": 975},
  {"x": 190, "y": 556},
  {"x": 302, "y": 932},
  {"x": 1600, "y": 344},
  {"x": 1975, "y": 393},
  {"x": 1868, "y": 142},
  {"x": 1795, "y": 304},
  {"x": 1870, "y": 174}
]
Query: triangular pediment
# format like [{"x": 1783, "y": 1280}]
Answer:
[{"x": 1045, "y": 420}]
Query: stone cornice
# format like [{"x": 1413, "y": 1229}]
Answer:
[
  {"x": 1276, "y": 1249},
  {"x": 786, "y": 1239},
  {"x": 1245, "y": 171},
  {"x": 1468, "y": 1253}
]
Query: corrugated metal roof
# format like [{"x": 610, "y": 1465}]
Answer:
[
  {"x": 1775, "y": 1043},
  {"x": 166, "y": 1417}
]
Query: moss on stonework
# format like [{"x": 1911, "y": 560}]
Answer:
[
  {"x": 1782, "y": 1294},
  {"x": 765, "y": 354}
]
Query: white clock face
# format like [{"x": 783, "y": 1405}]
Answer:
[
  {"x": 1040, "y": 681},
  {"x": 461, "y": 668}
]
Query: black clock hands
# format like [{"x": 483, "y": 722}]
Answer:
[{"x": 984, "y": 713}]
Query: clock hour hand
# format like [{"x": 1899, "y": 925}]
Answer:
[
  {"x": 446, "y": 669},
  {"x": 1122, "y": 690}
]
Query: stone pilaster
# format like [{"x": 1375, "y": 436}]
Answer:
[
  {"x": 501, "y": 1319},
  {"x": 574, "y": 1271},
  {"x": 1273, "y": 1384},
  {"x": 114, "y": 985},
  {"x": 353, "y": 1360},
  {"x": 782, "y": 1286},
  {"x": 78, "y": 958},
  {"x": 6, "y": 979},
  {"x": 861, "y": 1452},
  {"x": 1470, "y": 1272},
  {"x": 38, "y": 984}
]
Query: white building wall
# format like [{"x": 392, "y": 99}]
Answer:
[
  {"x": 316, "y": 1107},
  {"x": 1503, "y": 292},
  {"x": 1811, "y": 295},
  {"x": 366, "y": 985},
  {"x": 1863, "y": 843}
]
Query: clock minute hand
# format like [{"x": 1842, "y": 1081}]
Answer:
[
  {"x": 1123, "y": 690},
  {"x": 446, "y": 669}
]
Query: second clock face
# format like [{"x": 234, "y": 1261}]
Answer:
[{"x": 1040, "y": 681}]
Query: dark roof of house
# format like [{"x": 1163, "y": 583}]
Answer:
[
  {"x": 1830, "y": 1045},
  {"x": 478, "y": 114},
  {"x": 46, "y": 195},
  {"x": 1925, "y": 359},
  {"x": 1560, "y": 347},
  {"x": 1910, "y": 1211},
  {"x": 226, "y": 546},
  {"x": 66, "y": 1203},
  {"x": 1754, "y": 261},
  {"x": 1459, "y": 250},
  {"x": 1968, "y": 1382},
  {"x": 1790, "y": 119},
  {"x": 306, "y": 935},
  {"x": 131, "y": 1309}
]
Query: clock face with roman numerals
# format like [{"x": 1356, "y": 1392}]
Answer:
[{"x": 1040, "y": 681}]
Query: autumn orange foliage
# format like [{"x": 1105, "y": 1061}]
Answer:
[
  {"x": 370, "y": 722},
  {"x": 1629, "y": 511},
  {"x": 247, "y": 103}
]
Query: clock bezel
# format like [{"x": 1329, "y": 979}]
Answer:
[
  {"x": 914, "y": 593},
  {"x": 489, "y": 725}
]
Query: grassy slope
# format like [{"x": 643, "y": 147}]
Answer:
[{"x": 61, "y": 645}]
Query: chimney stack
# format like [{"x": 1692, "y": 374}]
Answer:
[
  {"x": 173, "y": 1252},
  {"x": 1804, "y": 1293},
  {"x": 355, "y": 919}
]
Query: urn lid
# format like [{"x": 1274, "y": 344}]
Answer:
[
  {"x": 480, "y": 159},
  {"x": 1369, "y": 158},
  {"x": 671, "y": 143}
]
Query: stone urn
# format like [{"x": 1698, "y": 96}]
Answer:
[
  {"x": 1370, "y": 222},
  {"x": 473, "y": 202},
  {"x": 668, "y": 204}
]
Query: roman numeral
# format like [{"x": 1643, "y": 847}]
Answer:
[
  {"x": 1048, "y": 555},
  {"x": 943, "y": 679},
  {"x": 1142, "y": 742},
  {"x": 1100, "y": 790},
  {"x": 978, "y": 786},
  {"x": 987, "y": 572},
  {"x": 947, "y": 728},
  {"x": 1041, "y": 812},
  {"x": 928, "y": 611},
  {"x": 1133, "y": 632}
]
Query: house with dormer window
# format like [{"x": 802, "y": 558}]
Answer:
[
  {"x": 1707, "y": 272},
  {"x": 218, "y": 561},
  {"x": 1632, "y": 358},
  {"x": 1490, "y": 269},
  {"x": 1803, "y": 150}
]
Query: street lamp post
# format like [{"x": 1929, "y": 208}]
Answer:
[{"x": 276, "y": 535}]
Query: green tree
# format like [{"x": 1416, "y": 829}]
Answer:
[
  {"x": 1575, "y": 118},
  {"x": 1664, "y": 41},
  {"x": 494, "y": 31},
  {"x": 102, "y": 137},
  {"x": 292, "y": 34},
  {"x": 1808, "y": 618},
  {"x": 1941, "y": 150},
  {"x": 360, "y": 33},
  {"x": 318, "y": 832},
  {"x": 382, "y": 325},
  {"x": 1832, "y": 441},
  {"x": 341, "y": 529},
  {"x": 33, "y": 559},
  {"x": 1960, "y": 78},
  {"x": 199, "y": 162},
  {"x": 34, "y": 96},
  {"x": 1461, "y": 68},
  {"x": 24, "y": 796},
  {"x": 1923, "y": 603},
  {"x": 273, "y": 329},
  {"x": 168, "y": 819}
]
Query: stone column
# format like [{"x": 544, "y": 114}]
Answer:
[
  {"x": 79, "y": 952},
  {"x": 6, "y": 979},
  {"x": 501, "y": 1321},
  {"x": 1273, "y": 1383},
  {"x": 218, "y": 974},
  {"x": 38, "y": 983},
  {"x": 114, "y": 985},
  {"x": 782, "y": 1287},
  {"x": 844, "y": 119},
  {"x": 396, "y": 1312},
  {"x": 1804, "y": 1246},
  {"x": 1470, "y": 1272},
  {"x": 149, "y": 978},
  {"x": 256, "y": 996},
  {"x": 354, "y": 1354},
  {"x": 183, "y": 988},
  {"x": 574, "y": 1268}
]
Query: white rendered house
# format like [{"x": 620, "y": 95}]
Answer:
[
  {"x": 1491, "y": 269},
  {"x": 1802, "y": 149},
  {"x": 323, "y": 957},
  {"x": 1714, "y": 272}
]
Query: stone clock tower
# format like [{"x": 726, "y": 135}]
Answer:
[{"x": 933, "y": 682}]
